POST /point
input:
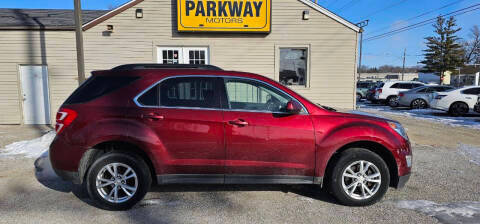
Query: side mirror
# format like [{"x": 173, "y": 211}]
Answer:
[{"x": 293, "y": 107}]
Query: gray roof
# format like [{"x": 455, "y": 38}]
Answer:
[{"x": 60, "y": 19}]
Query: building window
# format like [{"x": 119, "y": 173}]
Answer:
[
  {"x": 183, "y": 55},
  {"x": 293, "y": 64}
]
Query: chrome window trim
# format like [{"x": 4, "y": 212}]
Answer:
[{"x": 135, "y": 99}]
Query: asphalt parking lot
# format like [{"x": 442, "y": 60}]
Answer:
[{"x": 444, "y": 187}]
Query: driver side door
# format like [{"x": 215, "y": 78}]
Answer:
[{"x": 264, "y": 144}]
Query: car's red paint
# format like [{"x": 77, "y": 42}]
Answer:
[{"x": 193, "y": 141}]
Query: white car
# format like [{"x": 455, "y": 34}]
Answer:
[
  {"x": 389, "y": 92},
  {"x": 457, "y": 101}
]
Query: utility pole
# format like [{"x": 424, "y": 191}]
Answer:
[
  {"x": 361, "y": 25},
  {"x": 403, "y": 67},
  {"x": 79, "y": 39}
]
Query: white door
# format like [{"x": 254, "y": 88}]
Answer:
[
  {"x": 36, "y": 105},
  {"x": 183, "y": 55}
]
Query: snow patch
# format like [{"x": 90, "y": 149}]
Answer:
[
  {"x": 455, "y": 212},
  {"x": 29, "y": 148},
  {"x": 471, "y": 152}
]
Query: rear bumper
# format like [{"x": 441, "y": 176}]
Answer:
[
  {"x": 402, "y": 180},
  {"x": 68, "y": 176}
]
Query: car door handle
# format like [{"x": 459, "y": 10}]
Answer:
[
  {"x": 153, "y": 116},
  {"x": 238, "y": 122}
]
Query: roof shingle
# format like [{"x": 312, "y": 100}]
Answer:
[{"x": 44, "y": 18}]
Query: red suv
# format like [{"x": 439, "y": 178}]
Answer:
[{"x": 127, "y": 128}]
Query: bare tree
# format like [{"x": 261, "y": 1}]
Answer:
[{"x": 472, "y": 46}]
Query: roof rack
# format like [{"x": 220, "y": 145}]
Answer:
[{"x": 165, "y": 66}]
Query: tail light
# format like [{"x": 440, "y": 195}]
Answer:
[
  {"x": 439, "y": 97},
  {"x": 65, "y": 117},
  {"x": 379, "y": 90},
  {"x": 401, "y": 94}
]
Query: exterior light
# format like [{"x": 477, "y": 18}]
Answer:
[
  {"x": 110, "y": 28},
  {"x": 139, "y": 13},
  {"x": 306, "y": 14}
]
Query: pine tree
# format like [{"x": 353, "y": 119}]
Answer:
[{"x": 444, "y": 52}]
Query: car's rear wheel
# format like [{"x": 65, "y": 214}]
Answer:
[
  {"x": 392, "y": 101},
  {"x": 359, "y": 177},
  {"x": 117, "y": 181},
  {"x": 419, "y": 104},
  {"x": 458, "y": 109}
]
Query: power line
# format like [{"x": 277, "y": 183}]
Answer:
[
  {"x": 385, "y": 8},
  {"x": 417, "y": 16},
  {"x": 425, "y": 22}
]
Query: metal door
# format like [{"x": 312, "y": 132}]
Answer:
[{"x": 35, "y": 94}]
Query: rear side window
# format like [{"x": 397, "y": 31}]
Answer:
[
  {"x": 97, "y": 86},
  {"x": 472, "y": 91},
  {"x": 183, "y": 92},
  {"x": 395, "y": 86}
]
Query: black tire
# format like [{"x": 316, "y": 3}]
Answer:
[
  {"x": 137, "y": 165},
  {"x": 458, "y": 109},
  {"x": 419, "y": 104},
  {"x": 392, "y": 101},
  {"x": 348, "y": 157}
]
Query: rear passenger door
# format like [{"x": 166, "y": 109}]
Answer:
[{"x": 186, "y": 116}]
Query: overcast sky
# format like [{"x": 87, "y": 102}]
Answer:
[{"x": 384, "y": 16}]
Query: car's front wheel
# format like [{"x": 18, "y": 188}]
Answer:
[
  {"x": 359, "y": 177},
  {"x": 117, "y": 181}
]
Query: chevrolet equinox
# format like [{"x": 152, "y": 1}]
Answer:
[{"x": 136, "y": 125}]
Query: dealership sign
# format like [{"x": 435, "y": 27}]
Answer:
[{"x": 224, "y": 15}]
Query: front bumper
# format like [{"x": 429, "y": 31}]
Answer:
[
  {"x": 402, "y": 180},
  {"x": 476, "y": 108}
]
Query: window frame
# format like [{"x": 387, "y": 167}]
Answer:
[
  {"x": 308, "y": 63},
  {"x": 223, "y": 94}
]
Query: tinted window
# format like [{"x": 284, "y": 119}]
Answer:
[
  {"x": 254, "y": 96},
  {"x": 97, "y": 86},
  {"x": 151, "y": 97},
  {"x": 441, "y": 88},
  {"x": 395, "y": 86},
  {"x": 415, "y": 85},
  {"x": 472, "y": 91},
  {"x": 425, "y": 90},
  {"x": 183, "y": 92},
  {"x": 189, "y": 92}
]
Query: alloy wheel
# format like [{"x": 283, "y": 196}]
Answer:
[
  {"x": 419, "y": 104},
  {"x": 117, "y": 182},
  {"x": 361, "y": 180}
]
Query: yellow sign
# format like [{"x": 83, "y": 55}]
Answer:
[{"x": 224, "y": 15}]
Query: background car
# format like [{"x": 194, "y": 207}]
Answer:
[
  {"x": 419, "y": 98},
  {"x": 390, "y": 90},
  {"x": 371, "y": 92},
  {"x": 476, "y": 108},
  {"x": 457, "y": 102},
  {"x": 362, "y": 89}
]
